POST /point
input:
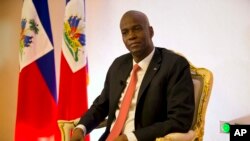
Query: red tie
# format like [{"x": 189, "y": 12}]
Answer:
[{"x": 116, "y": 130}]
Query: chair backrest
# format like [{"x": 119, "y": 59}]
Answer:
[{"x": 203, "y": 81}]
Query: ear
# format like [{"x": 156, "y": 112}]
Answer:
[{"x": 151, "y": 31}]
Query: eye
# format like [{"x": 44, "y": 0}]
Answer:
[
  {"x": 137, "y": 28},
  {"x": 124, "y": 32}
]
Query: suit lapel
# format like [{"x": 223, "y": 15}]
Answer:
[
  {"x": 152, "y": 69},
  {"x": 122, "y": 75}
]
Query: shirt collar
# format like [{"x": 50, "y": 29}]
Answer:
[{"x": 145, "y": 62}]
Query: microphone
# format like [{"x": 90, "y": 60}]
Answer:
[{"x": 123, "y": 83}]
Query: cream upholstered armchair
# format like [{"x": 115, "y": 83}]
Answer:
[{"x": 203, "y": 80}]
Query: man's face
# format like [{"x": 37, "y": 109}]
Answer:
[{"x": 137, "y": 35}]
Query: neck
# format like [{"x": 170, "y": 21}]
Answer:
[{"x": 137, "y": 59}]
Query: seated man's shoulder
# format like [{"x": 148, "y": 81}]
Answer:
[{"x": 171, "y": 55}]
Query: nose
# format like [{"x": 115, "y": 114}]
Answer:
[{"x": 132, "y": 35}]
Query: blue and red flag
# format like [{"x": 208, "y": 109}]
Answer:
[
  {"x": 73, "y": 72},
  {"x": 37, "y": 97}
]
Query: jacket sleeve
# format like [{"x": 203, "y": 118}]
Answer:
[{"x": 98, "y": 110}]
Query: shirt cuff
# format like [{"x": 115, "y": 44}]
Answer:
[
  {"x": 80, "y": 126},
  {"x": 131, "y": 136}
]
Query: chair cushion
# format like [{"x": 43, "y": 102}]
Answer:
[{"x": 189, "y": 136}]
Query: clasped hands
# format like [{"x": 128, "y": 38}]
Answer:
[{"x": 78, "y": 135}]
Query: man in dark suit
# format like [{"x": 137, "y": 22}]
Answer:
[{"x": 163, "y": 101}]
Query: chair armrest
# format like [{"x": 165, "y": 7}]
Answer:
[
  {"x": 189, "y": 136},
  {"x": 66, "y": 127}
]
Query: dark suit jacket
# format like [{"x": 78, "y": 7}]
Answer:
[{"x": 165, "y": 101}]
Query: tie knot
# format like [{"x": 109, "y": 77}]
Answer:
[{"x": 136, "y": 67}]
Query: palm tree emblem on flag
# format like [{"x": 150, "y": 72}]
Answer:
[
  {"x": 25, "y": 38},
  {"x": 73, "y": 36}
]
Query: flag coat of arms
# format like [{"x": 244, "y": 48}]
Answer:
[
  {"x": 36, "y": 108},
  {"x": 73, "y": 70}
]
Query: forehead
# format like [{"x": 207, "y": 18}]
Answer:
[{"x": 131, "y": 20}]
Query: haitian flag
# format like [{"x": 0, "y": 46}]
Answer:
[
  {"x": 36, "y": 108},
  {"x": 73, "y": 72}
]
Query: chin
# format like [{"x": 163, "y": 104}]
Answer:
[{"x": 136, "y": 53}]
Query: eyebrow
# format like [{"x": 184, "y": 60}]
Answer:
[{"x": 133, "y": 26}]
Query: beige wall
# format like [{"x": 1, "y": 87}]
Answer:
[{"x": 9, "y": 34}]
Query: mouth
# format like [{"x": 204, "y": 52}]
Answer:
[{"x": 134, "y": 44}]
